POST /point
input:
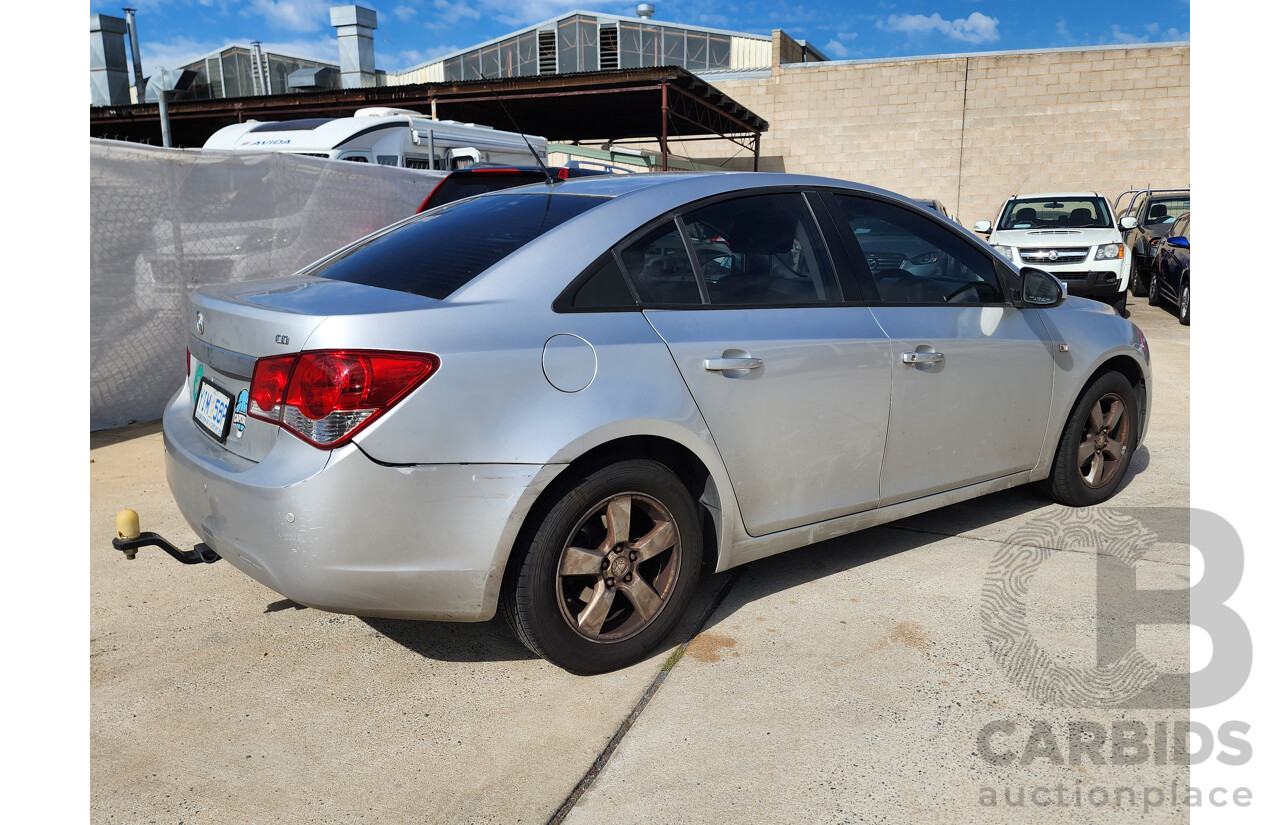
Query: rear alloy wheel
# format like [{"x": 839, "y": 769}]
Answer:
[
  {"x": 609, "y": 569},
  {"x": 1184, "y": 305},
  {"x": 1097, "y": 444}
]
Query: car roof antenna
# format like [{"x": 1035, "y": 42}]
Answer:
[{"x": 551, "y": 179}]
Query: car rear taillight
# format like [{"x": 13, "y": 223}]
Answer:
[
  {"x": 325, "y": 397},
  {"x": 266, "y": 390},
  {"x": 188, "y": 362}
]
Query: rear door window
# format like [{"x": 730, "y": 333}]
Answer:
[
  {"x": 762, "y": 250},
  {"x": 435, "y": 254}
]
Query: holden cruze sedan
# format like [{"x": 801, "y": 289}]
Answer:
[{"x": 568, "y": 399}]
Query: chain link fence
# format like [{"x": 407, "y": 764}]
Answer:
[{"x": 165, "y": 221}]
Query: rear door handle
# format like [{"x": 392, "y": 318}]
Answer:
[
  {"x": 921, "y": 357},
  {"x": 722, "y": 364}
]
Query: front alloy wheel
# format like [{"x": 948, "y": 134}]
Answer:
[
  {"x": 1097, "y": 444},
  {"x": 605, "y": 567},
  {"x": 1102, "y": 449}
]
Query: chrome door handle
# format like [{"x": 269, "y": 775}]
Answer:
[
  {"x": 721, "y": 364},
  {"x": 921, "y": 357}
]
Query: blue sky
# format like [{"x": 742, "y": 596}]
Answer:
[{"x": 173, "y": 32}]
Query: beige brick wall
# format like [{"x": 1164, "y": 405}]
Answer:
[{"x": 972, "y": 131}]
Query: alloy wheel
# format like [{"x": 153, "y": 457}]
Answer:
[
  {"x": 1102, "y": 448},
  {"x": 619, "y": 567}
]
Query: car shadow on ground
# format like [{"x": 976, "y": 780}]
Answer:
[{"x": 491, "y": 641}]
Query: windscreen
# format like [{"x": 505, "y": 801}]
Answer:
[
  {"x": 1041, "y": 213},
  {"x": 435, "y": 254}
]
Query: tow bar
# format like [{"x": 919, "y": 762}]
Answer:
[{"x": 130, "y": 538}]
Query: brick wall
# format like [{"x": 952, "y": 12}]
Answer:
[{"x": 970, "y": 131}]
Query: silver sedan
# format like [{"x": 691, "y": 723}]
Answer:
[{"x": 569, "y": 399}]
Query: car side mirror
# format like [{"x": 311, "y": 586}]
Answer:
[
  {"x": 1041, "y": 289},
  {"x": 982, "y": 227},
  {"x": 1128, "y": 222},
  {"x": 1178, "y": 241}
]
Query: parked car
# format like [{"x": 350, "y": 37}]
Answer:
[
  {"x": 569, "y": 409},
  {"x": 463, "y": 183},
  {"x": 1155, "y": 211},
  {"x": 1171, "y": 269},
  {"x": 1074, "y": 235}
]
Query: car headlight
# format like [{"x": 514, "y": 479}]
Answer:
[
  {"x": 1109, "y": 252},
  {"x": 1006, "y": 251}
]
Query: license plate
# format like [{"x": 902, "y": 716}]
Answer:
[{"x": 213, "y": 410}]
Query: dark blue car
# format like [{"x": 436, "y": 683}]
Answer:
[{"x": 1171, "y": 269}]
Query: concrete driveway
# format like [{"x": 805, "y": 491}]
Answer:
[{"x": 851, "y": 681}]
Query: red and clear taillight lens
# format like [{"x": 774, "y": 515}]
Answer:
[
  {"x": 325, "y": 397},
  {"x": 266, "y": 390}
]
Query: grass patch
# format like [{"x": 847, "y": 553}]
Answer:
[{"x": 673, "y": 658}]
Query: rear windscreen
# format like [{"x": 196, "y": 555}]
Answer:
[{"x": 435, "y": 254}]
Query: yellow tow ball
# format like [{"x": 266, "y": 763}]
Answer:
[{"x": 127, "y": 526}]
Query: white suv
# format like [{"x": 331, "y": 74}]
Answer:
[{"x": 1073, "y": 235}]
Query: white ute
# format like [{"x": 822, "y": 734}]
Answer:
[{"x": 1073, "y": 235}]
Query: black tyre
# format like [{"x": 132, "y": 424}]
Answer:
[
  {"x": 1153, "y": 297},
  {"x": 1140, "y": 280},
  {"x": 1184, "y": 304},
  {"x": 1096, "y": 445},
  {"x": 1121, "y": 303},
  {"x": 606, "y": 569}
]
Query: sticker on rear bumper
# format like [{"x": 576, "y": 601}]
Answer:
[{"x": 241, "y": 414}]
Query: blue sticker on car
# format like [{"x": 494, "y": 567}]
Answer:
[{"x": 241, "y": 414}]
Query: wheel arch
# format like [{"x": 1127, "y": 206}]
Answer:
[
  {"x": 1129, "y": 367},
  {"x": 712, "y": 498}
]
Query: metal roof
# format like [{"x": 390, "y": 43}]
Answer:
[
  {"x": 605, "y": 16},
  {"x": 587, "y": 106}
]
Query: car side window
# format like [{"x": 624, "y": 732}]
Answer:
[
  {"x": 913, "y": 260},
  {"x": 660, "y": 269},
  {"x": 763, "y": 250},
  {"x": 604, "y": 288}
]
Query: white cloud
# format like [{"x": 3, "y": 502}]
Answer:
[
  {"x": 403, "y": 13},
  {"x": 976, "y": 28},
  {"x": 836, "y": 49},
  {"x": 294, "y": 15},
  {"x": 1151, "y": 33},
  {"x": 447, "y": 12}
]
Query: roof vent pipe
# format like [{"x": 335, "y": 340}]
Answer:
[
  {"x": 139, "y": 85},
  {"x": 644, "y": 10}
]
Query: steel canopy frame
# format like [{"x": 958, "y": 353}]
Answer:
[{"x": 621, "y": 104}]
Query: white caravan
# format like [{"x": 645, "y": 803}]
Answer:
[{"x": 391, "y": 137}]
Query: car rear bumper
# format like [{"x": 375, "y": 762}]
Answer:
[{"x": 337, "y": 531}]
